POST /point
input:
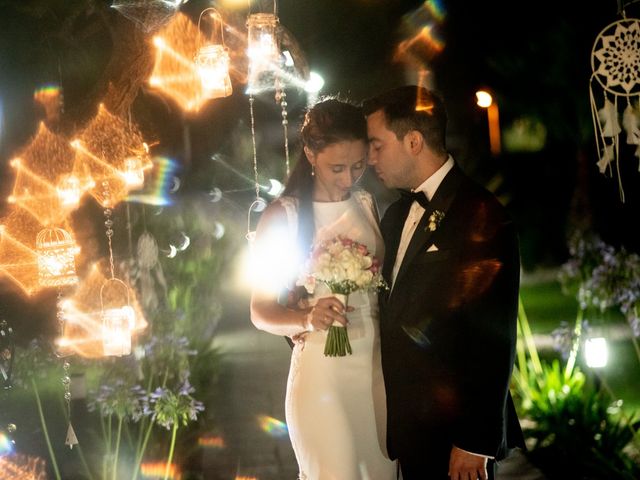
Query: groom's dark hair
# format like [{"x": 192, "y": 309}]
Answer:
[{"x": 412, "y": 108}]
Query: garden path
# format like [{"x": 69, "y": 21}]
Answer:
[{"x": 249, "y": 411}]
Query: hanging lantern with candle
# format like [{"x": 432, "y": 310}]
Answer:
[
  {"x": 118, "y": 320},
  {"x": 263, "y": 50},
  {"x": 69, "y": 191},
  {"x": 133, "y": 174},
  {"x": 56, "y": 250},
  {"x": 135, "y": 166},
  {"x": 212, "y": 60}
]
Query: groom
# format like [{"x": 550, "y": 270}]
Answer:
[{"x": 448, "y": 324}]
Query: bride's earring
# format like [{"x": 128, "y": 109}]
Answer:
[{"x": 310, "y": 157}]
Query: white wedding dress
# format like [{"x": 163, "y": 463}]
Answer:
[{"x": 336, "y": 406}]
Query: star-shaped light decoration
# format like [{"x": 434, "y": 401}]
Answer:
[
  {"x": 148, "y": 15},
  {"x": 19, "y": 466},
  {"x": 44, "y": 176},
  {"x": 175, "y": 73},
  {"x": 112, "y": 153}
]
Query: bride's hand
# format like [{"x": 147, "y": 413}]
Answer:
[{"x": 326, "y": 311}]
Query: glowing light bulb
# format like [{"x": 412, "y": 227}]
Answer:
[
  {"x": 596, "y": 352},
  {"x": 117, "y": 325},
  {"x": 56, "y": 251},
  {"x": 133, "y": 174},
  {"x": 69, "y": 191},
  {"x": 212, "y": 64}
]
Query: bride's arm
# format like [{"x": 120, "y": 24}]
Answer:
[
  {"x": 274, "y": 245},
  {"x": 266, "y": 313}
]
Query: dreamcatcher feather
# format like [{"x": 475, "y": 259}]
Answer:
[
  {"x": 615, "y": 63},
  {"x": 146, "y": 272}
]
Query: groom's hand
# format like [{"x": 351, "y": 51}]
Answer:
[{"x": 467, "y": 466}]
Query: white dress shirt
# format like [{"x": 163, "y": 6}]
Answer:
[{"x": 429, "y": 187}]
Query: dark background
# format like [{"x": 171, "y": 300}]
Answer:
[{"x": 535, "y": 57}]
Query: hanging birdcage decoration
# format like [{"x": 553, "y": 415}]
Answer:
[
  {"x": 69, "y": 191},
  {"x": 118, "y": 321},
  {"x": 56, "y": 251},
  {"x": 212, "y": 60},
  {"x": 614, "y": 87},
  {"x": 133, "y": 174},
  {"x": 263, "y": 50}
]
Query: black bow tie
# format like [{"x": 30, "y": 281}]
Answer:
[{"x": 419, "y": 197}]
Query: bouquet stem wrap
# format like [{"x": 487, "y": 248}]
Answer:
[{"x": 337, "y": 343}]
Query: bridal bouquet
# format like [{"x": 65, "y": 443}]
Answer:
[{"x": 344, "y": 266}]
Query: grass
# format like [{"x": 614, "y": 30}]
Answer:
[{"x": 546, "y": 306}]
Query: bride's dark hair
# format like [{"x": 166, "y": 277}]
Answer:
[{"x": 330, "y": 120}]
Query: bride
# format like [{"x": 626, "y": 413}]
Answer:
[{"x": 335, "y": 406}]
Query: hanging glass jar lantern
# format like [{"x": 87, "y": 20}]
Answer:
[
  {"x": 56, "y": 250},
  {"x": 212, "y": 60},
  {"x": 69, "y": 191},
  {"x": 133, "y": 174},
  {"x": 263, "y": 51},
  {"x": 118, "y": 321}
]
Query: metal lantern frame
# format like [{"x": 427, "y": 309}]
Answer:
[
  {"x": 263, "y": 50},
  {"x": 118, "y": 323},
  {"x": 56, "y": 250},
  {"x": 212, "y": 60}
]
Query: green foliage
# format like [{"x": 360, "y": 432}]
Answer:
[
  {"x": 191, "y": 308},
  {"x": 171, "y": 376},
  {"x": 573, "y": 429}
]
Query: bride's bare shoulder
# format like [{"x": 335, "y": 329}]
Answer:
[{"x": 275, "y": 214}]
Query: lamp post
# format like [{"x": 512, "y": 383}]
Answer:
[{"x": 485, "y": 100}]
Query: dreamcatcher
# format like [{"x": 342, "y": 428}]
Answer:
[
  {"x": 615, "y": 62},
  {"x": 149, "y": 271}
]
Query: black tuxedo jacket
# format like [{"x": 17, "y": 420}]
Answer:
[{"x": 448, "y": 327}]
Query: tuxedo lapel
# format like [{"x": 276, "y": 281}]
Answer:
[{"x": 441, "y": 201}]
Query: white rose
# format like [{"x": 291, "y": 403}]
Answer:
[
  {"x": 364, "y": 279},
  {"x": 352, "y": 271}
]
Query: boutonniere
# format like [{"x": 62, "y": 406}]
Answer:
[{"x": 434, "y": 220}]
